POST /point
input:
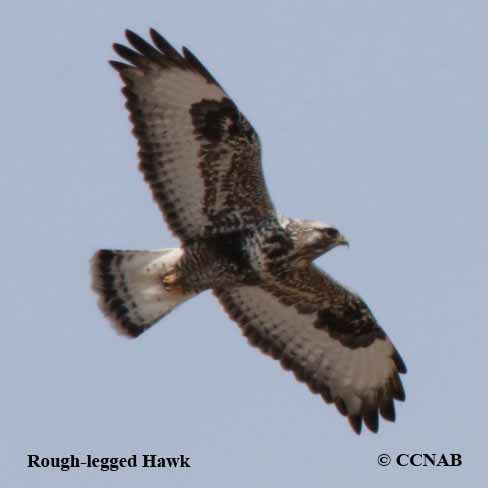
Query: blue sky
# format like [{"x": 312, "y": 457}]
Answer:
[{"x": 373, "y": 117}]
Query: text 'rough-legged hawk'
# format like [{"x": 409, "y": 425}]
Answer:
[{"x": 202, "y": 161}]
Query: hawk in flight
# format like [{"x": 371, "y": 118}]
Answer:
[{"x": 202, "y": 160}]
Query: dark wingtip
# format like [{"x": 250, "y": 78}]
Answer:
[
  {"x": 397, "y": 388},
  {"x": 129, "y": 55},
  {"x": 164, "y": 46},
  {"x": 341, "y": 406},
  {"x": 399, "y": 363},
  {"x": 118, "y": 48},
  {"x": 198, "y": 66},
  {"x": 356, "y": 423},
  {"x": 122, "y": 51},
  {"x": 134, "y": 39},
  {"x": 130, "y": 34},
  {"x": 371, "y": 419},
  {"x": 144, "y": 47},
  {"x": 387, "y": 410},
  {"x": 157, "y": 38},
  {"x": 119, "y": 67}
]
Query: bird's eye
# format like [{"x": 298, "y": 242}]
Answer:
[{"x": 332, "y": 233}]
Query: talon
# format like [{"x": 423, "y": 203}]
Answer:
[{"x": 170, "y": 282}]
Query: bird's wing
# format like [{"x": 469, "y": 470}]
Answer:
[
  {"x": 327, "y": 336},
  {"x": 199, "y": 154}
]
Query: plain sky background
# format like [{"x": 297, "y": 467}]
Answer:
[{"x": 373, "y": 117}]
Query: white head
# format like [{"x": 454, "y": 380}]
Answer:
[{"x": 313, "y": 238}]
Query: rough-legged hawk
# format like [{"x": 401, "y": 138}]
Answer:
[{"x": 202, "y": 161}]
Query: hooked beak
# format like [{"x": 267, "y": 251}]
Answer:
[{"x": 342, "y": 241}]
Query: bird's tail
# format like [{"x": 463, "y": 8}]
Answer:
[{"x": 134, "y": 287}]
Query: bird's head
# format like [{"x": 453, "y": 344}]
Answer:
[{"x": 312, "y": 238}]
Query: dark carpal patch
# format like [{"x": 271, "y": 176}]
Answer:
[
  {"x": 352, "y": 325},
  {"x": 215, "y": 120}
]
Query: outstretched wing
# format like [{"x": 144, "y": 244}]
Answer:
[
  {"x": 199, "y": 154},
  {"x": 327, "y": 336}
]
